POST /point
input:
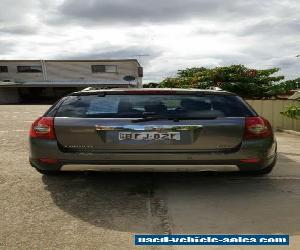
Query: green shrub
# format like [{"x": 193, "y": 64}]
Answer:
[{"x": 292, "y": 111}]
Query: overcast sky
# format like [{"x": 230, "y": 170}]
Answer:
[{"x": 174, "y": 34}]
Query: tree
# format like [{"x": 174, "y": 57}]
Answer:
[
  {"x": 292, "y": 112},
  {"x": 285, "y": 87},
  {"x": 248, "y": 83}
]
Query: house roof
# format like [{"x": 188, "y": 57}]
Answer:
[
  {"x": 295, "y": 96},
  {"x": 80, "y": 60},
  {"x": 68, "y": 83}
]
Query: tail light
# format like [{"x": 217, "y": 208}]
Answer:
[
  {"x": 43, "y": 128},
  {"x": 257, "y": 127}
]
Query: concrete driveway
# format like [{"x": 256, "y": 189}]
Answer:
[{"x": 105, "y": 210}]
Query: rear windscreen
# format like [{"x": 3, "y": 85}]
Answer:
[{"x": 136, "y": 106}]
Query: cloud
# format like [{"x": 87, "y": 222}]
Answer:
[
  {"x": 136, "y": 12},
  {"x": 117, "y": 52},
  {"x": 16, "y": 11},
  {"x": 286, "y": 61},
  {"x": 272, "y": 27},
  {"x": 144, "y": 54},
  {"x": 20, "y": 17},
  {"x": 19, "y": 30},
  {"x": 7, "y": 46},
  {"x": 175, "y": 34}
]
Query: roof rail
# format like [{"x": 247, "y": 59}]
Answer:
[
  {"x": 95, "y": 88},
  {"x": 215, "y": 88},
  {"x": 88, "y": 88}
]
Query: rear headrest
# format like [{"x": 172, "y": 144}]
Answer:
[
  {"x": 156, "y": 107},
  {"x": 125, "y": 107},
  {"x": 195, "y": 105}
]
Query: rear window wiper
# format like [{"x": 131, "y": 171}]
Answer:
[
  {"x": 150, "y": 118},
  {"x": 174, "y": 118}
]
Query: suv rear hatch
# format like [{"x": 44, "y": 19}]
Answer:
[{"x": 123, "y": 122}]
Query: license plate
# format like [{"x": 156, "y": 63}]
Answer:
[{"x": 149, "y": 136}]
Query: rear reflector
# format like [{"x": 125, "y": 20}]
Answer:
[
  {"x": 48, "y": 160},
  {"x": 257, "y": 127},
  {"x": 250, "y": 160},
  {"x": 43, "y": 128}
]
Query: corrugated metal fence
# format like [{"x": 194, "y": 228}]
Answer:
[{"x": 271, "y": 109}]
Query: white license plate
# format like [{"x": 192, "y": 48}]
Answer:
[{"x": 141, "y": 136}]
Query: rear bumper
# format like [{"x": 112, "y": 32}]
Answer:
[
  {"x": 264, "y": 150},
  {"x": 147, "y": 167}
]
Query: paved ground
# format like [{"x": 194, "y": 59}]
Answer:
[{"x": 104, "y": 211}]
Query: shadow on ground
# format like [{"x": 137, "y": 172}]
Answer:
[{"x": 189, "y": 202}]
